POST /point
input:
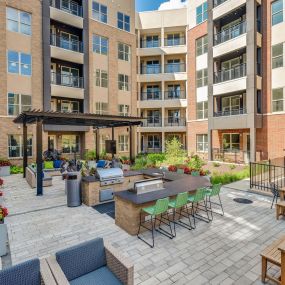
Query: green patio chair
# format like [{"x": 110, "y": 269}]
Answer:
[
  {"x": 180, "y": 205},
  {"x": 214, "y": 191},
  {"x": 157, "y": 212},
  {"x": 180, "y": 171},
  {"x": 199, "y": 198},
  {"x": 195, "y": 173}
]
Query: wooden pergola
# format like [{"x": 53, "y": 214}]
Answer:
[{"x": 41, "y": 118}]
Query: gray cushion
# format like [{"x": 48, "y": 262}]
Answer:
[
  {"x": 26, "y": 273},
  {"x": 82, "y": 259},
  {"x": 101, "y": 276}
]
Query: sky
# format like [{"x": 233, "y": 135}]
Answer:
[{"x": 147, "y": 5}]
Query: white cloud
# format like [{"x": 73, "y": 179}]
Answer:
[{"x": 172, "y": 4}]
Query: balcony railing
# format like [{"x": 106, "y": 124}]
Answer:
[
  {"x": 68, "y": 6},
  {"x": 174, "y": 94},
  {"x": 218, "y": 2},
  {"x": 61, "y": 42},
  {"x": 174, "y": 42},
  {"x": 152, "y": 122},
  {"x": 233, "y": 112},
  {"x": 155, "y": 149},
  {"x": 174, "y": 67},
  {"x": 150, "y": 44},
  {"x": 230, "y": 33},
  {"x": 151, "y": 95},
  {"x": 230, "y": 74},
  {"x": 174, "y": 122},
  {"x": 151, "y": 69},
  {"x": 230, "y": 155},
  {"x": 66, "y": 80}
]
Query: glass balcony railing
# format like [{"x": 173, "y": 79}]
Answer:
[
  {"x": 230, "y": 33},
  {"x": 151, "y": 69},
  {"x": 174, "y": 67},
  {"x": 150, "y": 43},
  {"x": 232, "y": 112},
  {"x": 230, "y": 74},
  {"x": 68, "y": 6},
  {"x": 174, "y": 94},
  {"x": 174, "y": 42},
  {"x": 61, "y": 42},
  {"x": 151, "y": 95},
  {"x": 218, "y": 2},
  {"x": 174, "y": 122},
  {"x": 66, "y": 80},
  {"x": 152, "y": 122}
]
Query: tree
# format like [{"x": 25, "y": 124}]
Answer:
[{"x": 175, "y": 154}]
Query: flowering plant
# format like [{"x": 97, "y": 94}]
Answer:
[
  {"x": 172, "y": 168},
  {"x": 5, "y": 162},
  {"x": 1, "y": 193},
  {"x": 1, "y": 182},
  {"x": 3, "y": 214}
]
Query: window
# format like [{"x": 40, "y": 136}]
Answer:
[
  {"x": 202, "y": 110},
  {"x": 277, "y": 55},
  {"x": 153, "y": 141},
  {"x": 202, "y": 45},
  {"x": 231, "y": 105},
  {"x": 101, "y": 108},
  {"x": 70, "y": 144},
  {"x": 277, "y": 12},
  {"x": 124, "y": 52},
  {"x": 99, "y": 12},
  {"x": 150, "y": 42},
  {"x": 202, "y": 77},
  {"x": 18, "y": 21},
  {"x": 124, "y": 110},
  {"x": 202, "y": 143},
  {"x": 19, "y": 63},
  {"x": 123, "y": 82},
  {"x": 174, "y": 65},
  {"x": 103, "y": 139},
  {"x": 231, "y": 142},
  {"x": 101, "y": 78},
  {"x": 202, "y": 13},
  {"x": 174, "y": 40},
  {"x": 123, "y": 143},
  {"x": 123, "y": 21},
  {"x": 15, "y": 146},
  {"x": 18, "y": 103},
  {"x": 100, "y": 44},
  {"x": 69, "y": 106},
  {"x": 277, "y": 100}
]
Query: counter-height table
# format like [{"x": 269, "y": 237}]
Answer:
[{"x": 128, "y": 204}]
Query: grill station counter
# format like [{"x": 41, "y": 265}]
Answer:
[{"x": 129, "y": 203}]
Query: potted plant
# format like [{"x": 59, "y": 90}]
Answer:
[
  {"x": 4, "y": 167},
  {"x": 3, "y": 231},
  {"x": 126, "y": 163}
]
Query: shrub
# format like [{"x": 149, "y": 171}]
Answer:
[
  {"x": 172, "y": 168},
  {"x": 90, "y": 155},
  {"x": 14, "y": 169},
  {"x": 4, "y": 162},
  {"x": 229, "y": 177},
  {"x": 140, "y": 163},
  {"x": 156, "y": 158},
  {"x": 175, "y": 154},
  {"x": 195, "y": 162},
  {"x": 216, "y": 164},
  {"x": 232, "y": 167}
]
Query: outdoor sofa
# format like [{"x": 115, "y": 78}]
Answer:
[{"x": 92, "y": 262}]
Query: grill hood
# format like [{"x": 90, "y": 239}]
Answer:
[{"x": 109, "y": 173}]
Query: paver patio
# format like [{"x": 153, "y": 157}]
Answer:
[{"x": 225, "y": 251}]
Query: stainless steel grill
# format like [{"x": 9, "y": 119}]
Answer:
[
  {"x": 110, "y": 176},
  {"x": 149, "y": 185}
]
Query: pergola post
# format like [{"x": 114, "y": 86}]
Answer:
[
  {"x": 39, "y": 157},
  {"x": 131, "y": 143},
  {"x": 25, "y": 148},
  {"x": 97, "y": 144},
  {"x": 113, "y": 137}
]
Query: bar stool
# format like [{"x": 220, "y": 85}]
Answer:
[
  {"x": 160, "y": 209},
  {"x": 214, "y": 191},
  {"x": 180, "y": 202}
]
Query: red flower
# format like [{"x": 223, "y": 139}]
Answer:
[
  {"x": 3, "y": 212},
  {"x": 172, "y": 168},
  {"x": 187, "y": 170},
  {"x": 5, "y": 163},
  {"x": 1, "y": 182},
  {"x": 1, "y": 193}
]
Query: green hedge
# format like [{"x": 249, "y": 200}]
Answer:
[{"x": 229, "y": 177}]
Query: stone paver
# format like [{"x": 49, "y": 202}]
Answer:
[{"x": 225, "y": 251}]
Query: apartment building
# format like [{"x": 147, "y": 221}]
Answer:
[
  {"x": 162, "y": 77},
  {"x": 68, "y": 56}
]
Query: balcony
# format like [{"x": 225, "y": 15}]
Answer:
[
  {"x": 174, "y": 67},
  {"x": 233, "y": 112},
  {"x": 174, "y": 122},
  {"x": 231, "y": 33},
  {"x": 152, "y": 149},
  {"x": 67, "y": 86},
  {"x": 218, "y": 2},
  {"x": 174, "y": 42},
  {"x": 152, "y": 122},
  {"x": 155, "y": 95},
  {"x": 151, "y": 69},
  {"x": 174, "y": 94},
  {"x": 67, "y": 11},
  {"x": 225, "y": 7},
  {"x": 150, "y": 44},
  {"x": 68, "y": 50},
  {"x": 230, "y": 74}
]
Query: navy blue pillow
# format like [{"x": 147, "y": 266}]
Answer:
[{"x": 101, "y": 163}]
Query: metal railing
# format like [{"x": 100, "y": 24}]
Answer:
[
  {"x": 174, "y": 67},
  {"x": 66, "y": 80},
  {"x": 174, "y": 94},
  {"x": 174, "y": 122},
  {"x": 150, "y": 44},
  {"x": 152, "y": 122},
  {"x": 68, "y": 6},
  {"x": 59, "y": 41},
  {"x": 230, "y": 33},
  {"x": 230, "y": 155},
  {"x": 263, "y": 174},
  {"x": 230, "y": 74},
  {"x": 174, "y": 42},
  {"x": 151, "y": 69},
  {"x": 218, "y": 2},
  {"x": 233, "y": 112},
  {"x": 155, "y": 95}
]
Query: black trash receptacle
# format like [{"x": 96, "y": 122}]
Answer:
[{"x": 73, "y": 191}]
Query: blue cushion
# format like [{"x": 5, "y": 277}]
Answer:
[
  {"x": 101, "y": 163},
  {"x": 57, "y": 163},
  {"x": 101, "y": 276},
  {"x": 26, "y": 273},
  {"x": 82, "y": 259}
]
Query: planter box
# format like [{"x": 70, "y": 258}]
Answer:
[
  {"x": 3, "y": 239},
  {"x": 4, "y": 171}
]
